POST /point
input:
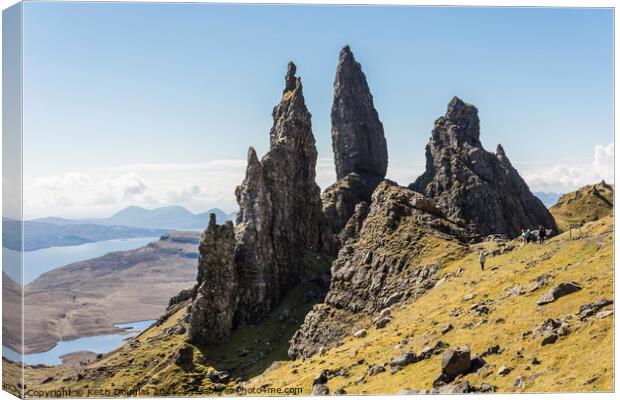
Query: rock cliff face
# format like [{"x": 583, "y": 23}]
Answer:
[
  {"x": 357, "y": 133},
  {"x": 280, "y": 219},
  {"x": 358, "y": 141},
  {"x": 474, "y": 187},
  {"x": 384, "y": 262},
  {"x": 211, "y": 317}
]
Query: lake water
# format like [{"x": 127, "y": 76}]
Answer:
[
  {"x": 96, "y": 344},
  {"x": 40, "y": 261}
]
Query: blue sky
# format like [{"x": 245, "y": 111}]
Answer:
[{"x": 155, "y": 104}]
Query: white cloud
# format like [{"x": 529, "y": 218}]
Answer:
[
  {"x": 604, "y": 161},
  {"x": 130, "y": 185},
  {"x": 568, "y": 177},
  {"x": 200, "y": 186},
  {"x": 103, "y": 191},
  {"x": 69, "y": 180}
]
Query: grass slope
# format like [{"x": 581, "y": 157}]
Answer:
[
  {"x": 587, "y": 204},
  {"x": 255, "y": 356}
]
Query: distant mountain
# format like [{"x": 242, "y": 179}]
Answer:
[
  {"x": 548, "y": 198},
  {"x": 40, "y": 235},
  {"x": 171, "y": 217}
]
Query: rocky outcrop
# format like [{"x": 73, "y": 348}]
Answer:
[
  {"x": 382, "y": 265},
  {"x": 212, "y": 311},
  {"x": 358, "y": 141},
  {"x": 357, "y": 133},
  {"x": 475, "y": 188},
  {"x": 280, "y": 214},
  {"x": 280, "y": 219}
]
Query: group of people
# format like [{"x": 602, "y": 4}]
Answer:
[{"x": 527, "y": 236}]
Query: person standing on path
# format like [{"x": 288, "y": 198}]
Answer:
[
  {"x": 483, "y": 258},
  {"x": 542, "y": 234}
]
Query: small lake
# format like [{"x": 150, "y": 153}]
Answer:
[
  {"x": 96, "y": 344},
  {"x": 40, "y": 261}
]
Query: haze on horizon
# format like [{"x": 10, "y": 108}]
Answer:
[{"x": 157, "y": 104}]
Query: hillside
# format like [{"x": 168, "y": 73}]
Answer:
[
  {"x": 584, "y": 205},
  {"x": 492, "y": 311},
  {"x": 86, "y": 298}
]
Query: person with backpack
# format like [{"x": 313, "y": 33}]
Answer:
[{"x": 542, "y": 234}]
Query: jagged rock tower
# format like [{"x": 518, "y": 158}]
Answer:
[
  {"x": 360, "y": 148},
  {"x": 280, "y": 219},
  {"x": 215, "y": 298},
  {"x": 476, "y": 188}
]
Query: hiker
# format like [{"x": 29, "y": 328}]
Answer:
[
  {"x": 483, "y": 258},
  {"x": 522, "y": 237},
  {"x": 542, "y": 234},
  {"x": 528, "y": 235}
]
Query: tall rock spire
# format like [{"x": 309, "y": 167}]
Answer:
[
  {"x": 357, "y": 133},
  {"x": 476, "y": 188},
  {"x": 280, "y": 218},
  {"x": 358, "y": 141}
]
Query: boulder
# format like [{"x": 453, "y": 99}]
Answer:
[
  {"x": 404, "y": 359},
  {"x": 588, "y": 310},
  {"x": 558, "y": 291},
  {"x": 455, "y": 362},
  {"x": 503, "y": 370},
  {"x": 361, "y": 333},
  {"x": 375, "y": 369}
]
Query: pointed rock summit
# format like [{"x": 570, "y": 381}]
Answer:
[
  {"x": 358, "y": 141},
  {"x": 280, "y": 219},
  {"x": 357, "y": 133},
  {"x": 476, "y": 188}
]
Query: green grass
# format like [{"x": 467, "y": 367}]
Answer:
[{"x": 576, "y": 208}]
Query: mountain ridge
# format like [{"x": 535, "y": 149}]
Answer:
[{"x": 168, "y": 217}]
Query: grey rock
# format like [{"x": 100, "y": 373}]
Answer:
[
  {"x": 446, "y": 328},
  {"x": 503, "y": 370},
  {"x": 320, "y": 390},
  {"x": 481, "y": 190},
  {"x": 558, "y": 291},
  {"x": 357, "y": 133},
  {"x": 375, "y": 369},
  {"x": 395, "y": 297},
  {"x": 497, "y": 349},
  {"x": 461, "y": 387},
  {"x": 382, "y": 322},
  {"x": 588, "y": 310},
  {"x": 213, "y": 308},
  {"x": 245, "y": 271},
  {"x": 359, "y": 145},
  {"x": 362, "y": 333},
  {"x": 404, "y": 359},
  {"x": 454, "y": 362},
  {"x": 365, "y": 282},
  {"x": 519, "y": 382},
  {"x": 549, "y": 338},
  {"x": 184, "y": 358}
]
